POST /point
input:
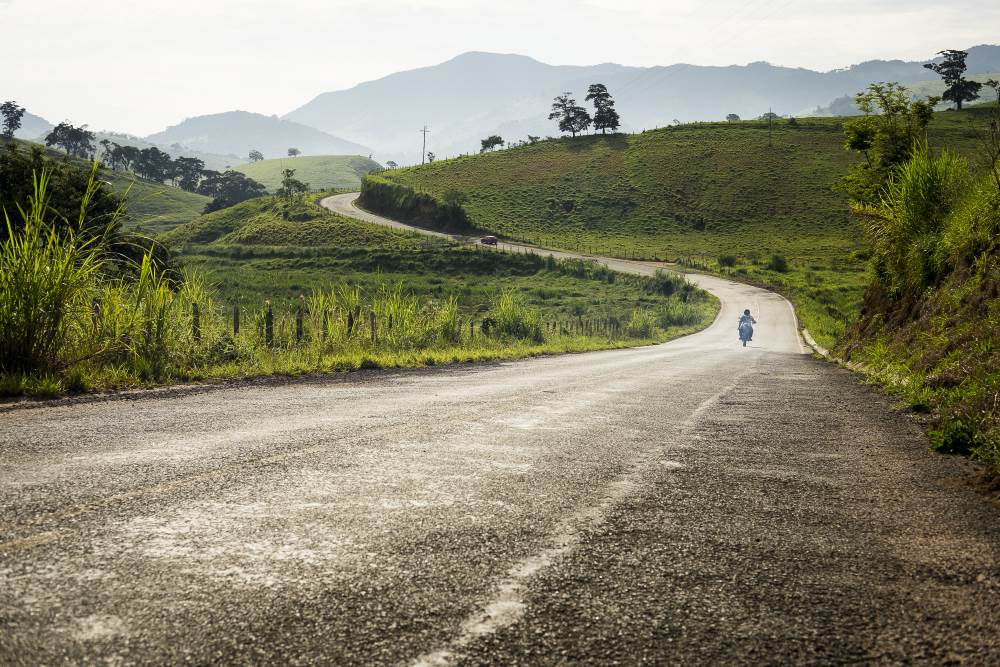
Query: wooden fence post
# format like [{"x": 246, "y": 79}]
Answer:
[
  {"x": 371, "y": 319},
  {"x": 350, "y": 322},
  {"x": 195, "y": 323},
  {"x": 236, "y": 320},
  {"x": 268, "y": 325},
  {"x": 298, "y": 324}
]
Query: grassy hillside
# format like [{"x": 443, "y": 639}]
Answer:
[
  {"x": 321, "y": 172},
  {"x": 152, "y": 208},
  {"x": 692, "y": 193},
  {"x": 260, "y": 250}
]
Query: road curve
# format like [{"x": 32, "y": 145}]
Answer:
[{"x": 687, "y": 503}]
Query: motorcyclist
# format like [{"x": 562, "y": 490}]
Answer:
[{"x": 746, "y": 318}]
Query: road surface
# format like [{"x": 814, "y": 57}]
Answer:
[{"x": 688, "y": 503}]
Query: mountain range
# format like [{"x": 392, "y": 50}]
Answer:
[{"x": 478, "y": 94}]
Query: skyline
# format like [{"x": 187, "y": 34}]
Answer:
[{"x": 190, "y": 59}]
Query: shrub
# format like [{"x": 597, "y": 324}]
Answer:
[
  {"x": 513, "y": 319},
  {"x": 778, "y": 263},
  {"x": 727, "y": 261},
  {"x": 641, "y": 325}
]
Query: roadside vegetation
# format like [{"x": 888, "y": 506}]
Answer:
[{"x": 256, "y": 294}]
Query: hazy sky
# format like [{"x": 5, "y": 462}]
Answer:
[{"x": 138, "y": 66}]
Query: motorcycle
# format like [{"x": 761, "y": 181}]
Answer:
[{"x": 746, "y": 332}]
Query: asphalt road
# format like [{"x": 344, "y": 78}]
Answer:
[{"x": 689, "y": 503}]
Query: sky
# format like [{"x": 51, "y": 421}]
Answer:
[{"x": 138, "y": 66}]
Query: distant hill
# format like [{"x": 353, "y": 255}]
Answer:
[
  {"x": 478, "y": 94},
  {"x": 33, "y": 127},
  {"x": 321, "y": 172},
  {"x": 239, "y": 132}
]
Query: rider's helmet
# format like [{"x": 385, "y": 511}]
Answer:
[{"x": 746, "y": 312}]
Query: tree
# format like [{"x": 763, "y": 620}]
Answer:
[
  {"x": 292, "y": 152},
  {"x": 951, "y": 68},
  {"x": 154, "y": 165},
  {"x": 605, "y": 116},
  {"x": 229, "y": 188},
  {"x": 732, "y": 118},
  {"x": 76, "y": 141},
  {"x": 995, "y": 85},
  {"x": 391, "y": 165},
  {"x": 290, "y": 186},
  {"x": 12, "y": 114},
  {"x": 533, "y": 139},
  {"x": 255, "y": 156},
  {"x": 572, "y": 118},
  {"x": 431, "y": 157},
  {"x": 885, "y": 135},
  {"x": 188, "y": 171},
  {"x": 770, "y": 115},
  {"x": 491, "y": 142}
]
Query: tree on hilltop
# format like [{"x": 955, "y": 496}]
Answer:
[
  {"x": 228, "y": 189},
  {"x": 255, "y": 156},
  {"x": 732, "y": 118},
  {"x": 572, "y": 118},
  {"x": 291, "y": 187},
  {"x": 491, "y": 142},
  {"x": 76, "y": 141},
  {"x": 951, "y": 68},
  {"x": 605, "y": 116},
  {"x": 12, "y": 115},
  {"x": 293, "y": 152}
]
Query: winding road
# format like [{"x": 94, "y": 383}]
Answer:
[{"x": 688, "y": 503}]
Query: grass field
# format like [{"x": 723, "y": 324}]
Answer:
[
  {"x": 251, "y": 254},
  {"x": 321, "y": 172},
  {"x": 690, "y": 193}
]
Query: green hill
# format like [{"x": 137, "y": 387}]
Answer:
[
  {"x": 321, "y": 172},
  {"x": 151, "y": 207},
  {"x": 698, "y": 193},
  {"x": 266, "y": 250}
]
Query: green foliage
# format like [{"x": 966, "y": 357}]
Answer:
[
  {"x": 572, "y": 117},
  {"x": 512, "y": 319},
  {"x": 778, "y": 263},
  {"x": 47, "y": 270},
  {"x": 491, "y": 142},
  {"x": 907, "y": 225},
  {"x": 67, "y": 184},
  {"x": 12, "y": 113},
  {"x": 642, "y": 324},
  {"x": 381, "y": 195},
  {"x": 892, "y": 124},
  {"x": 951, "y": 69},
  {"x": 229, "y": 188},
  {"x": 605, "y": 116},
  {"x": 76, "y": 141}
]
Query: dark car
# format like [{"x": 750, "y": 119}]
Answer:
[{"x": 488, "y": 240}]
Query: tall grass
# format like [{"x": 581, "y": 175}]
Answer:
[{"x": 46, "y": 273}]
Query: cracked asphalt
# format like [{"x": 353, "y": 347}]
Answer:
[{"x": 689, "y": 503}]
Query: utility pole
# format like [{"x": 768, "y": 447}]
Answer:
[{"x": 423, "y": 153}]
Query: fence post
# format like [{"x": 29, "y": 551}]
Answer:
[
  {"x": 371, "y": 319},
  {"x": 325, "y": 325},
  {"x": 268, "y": 325},
  {"x": 350, "y": 322},
  {"x": 298, "y": 324},
  {"x": 472, "y": 328},
  {"x": 236, "y": 320},
  {"x": 195, "y": 323}
]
